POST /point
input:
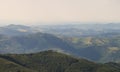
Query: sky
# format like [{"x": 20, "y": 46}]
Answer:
[{"x": 51, "y": 11}]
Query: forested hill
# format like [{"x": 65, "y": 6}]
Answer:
[
  {"x": 32, "y": 43},
  {"x": 51, "y": 61}
]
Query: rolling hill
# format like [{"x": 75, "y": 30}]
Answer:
[
  {"x": 51, "y": 61},
  {"x": 99, "y": 49},
  {"x": 33, "y": 43},
  {"x": 102, "y": 49}
]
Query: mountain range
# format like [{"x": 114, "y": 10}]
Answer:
[{"x": 102, "y": 46}]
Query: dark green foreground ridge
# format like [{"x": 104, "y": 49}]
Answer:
[{"x": 51, "y": 61}]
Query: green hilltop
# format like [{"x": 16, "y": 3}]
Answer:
[{"x": 51, "y": 61}]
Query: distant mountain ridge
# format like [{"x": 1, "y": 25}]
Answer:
[
  {"x": 15, "y": 30},
  {"x": 80, "y": 30},
  {"x": 63, "y": 29}
]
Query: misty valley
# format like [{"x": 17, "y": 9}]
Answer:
[{"x": 60, "y": 48}]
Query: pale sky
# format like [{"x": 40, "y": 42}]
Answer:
[{"x": 35, "y": 11}]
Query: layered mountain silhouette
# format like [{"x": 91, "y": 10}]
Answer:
[{"x": 105, "y": 47}]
